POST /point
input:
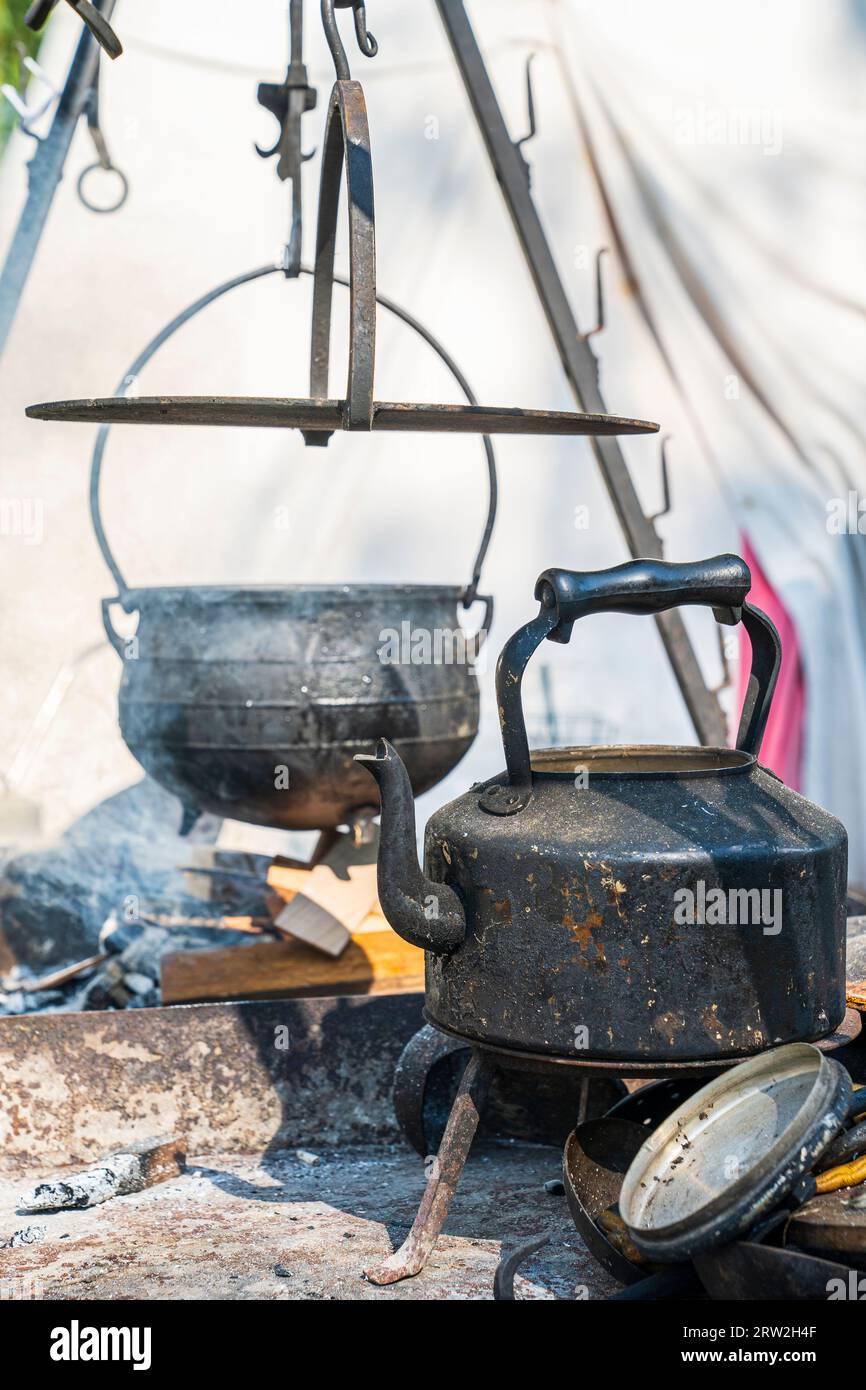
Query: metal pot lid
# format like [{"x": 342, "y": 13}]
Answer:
[
  {"x": 732, "y": 1151},
  {"x": 632, "y": 760},
  {"x": 325, "y": 416}
]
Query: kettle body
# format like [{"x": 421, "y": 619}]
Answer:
[
  {"x": 691, "y": 909},
  {"x": 659, "y": 904}
]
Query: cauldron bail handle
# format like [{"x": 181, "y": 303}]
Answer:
[
  {"x": 638, "y": 586},
  {"x": 124, "y": 388},
  {"x": 469, "y": 595}
]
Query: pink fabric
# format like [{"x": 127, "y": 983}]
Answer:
[{"x": 782, "y": 748}]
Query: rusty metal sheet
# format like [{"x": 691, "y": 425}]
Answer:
[{"x": 241, "y": 1077}]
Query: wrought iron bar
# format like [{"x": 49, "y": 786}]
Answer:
[
  {"x": 578, "y": 360},
  {"x": 45, "y": 171}
]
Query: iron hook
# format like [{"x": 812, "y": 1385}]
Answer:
[
  {"x": 103, "y": 158},
  {"x": 599, "y": 296},
  {"x": 366, "y": 42},
  {"x": 17, "y": 97},
  {"x": 96, "y": 22},
  {"x": 530, "y": 106},
  {"x": 666, "y": 487},
  {"x": 289, "y": 101}
]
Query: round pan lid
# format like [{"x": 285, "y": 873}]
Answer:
[
  {"x": 731, "y": 1152},
  {"x": 325, "y": 416}
]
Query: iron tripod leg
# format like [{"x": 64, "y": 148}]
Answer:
[{"x": 442, "y": 1184}]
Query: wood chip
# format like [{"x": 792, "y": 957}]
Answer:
[
  {"x": 131, "y": 1169},
  {"x": 329, "y": 901},
  {"x": 856, "y": 995}
]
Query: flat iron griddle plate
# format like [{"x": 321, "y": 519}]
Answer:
[{"x": 280, "y": 412}]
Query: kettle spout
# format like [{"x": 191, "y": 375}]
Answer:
[{"x": 424, "y": 913}]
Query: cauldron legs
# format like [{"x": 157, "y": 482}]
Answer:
[{"x": 445, "y": 1175}]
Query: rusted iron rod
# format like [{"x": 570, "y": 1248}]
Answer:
[
  {"x": 578, "y": 360},
  {"x": 45, "y": 170}
]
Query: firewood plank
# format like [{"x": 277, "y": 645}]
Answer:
[{"x": 376, "y": 961}]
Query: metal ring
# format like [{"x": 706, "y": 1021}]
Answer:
[{"x": 110, "y": 169}]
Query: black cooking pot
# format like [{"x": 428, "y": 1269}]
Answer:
[
  {"x": 655, "y": 904},
  {"x": 251, "y": 701}
]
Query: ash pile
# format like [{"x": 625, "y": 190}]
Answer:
[{"x": 85, "y": 922}]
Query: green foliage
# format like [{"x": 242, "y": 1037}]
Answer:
[{"x": 12, "y": 31}]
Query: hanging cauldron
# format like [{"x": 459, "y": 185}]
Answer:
[
  {"x": 251, "y": 701},
  {"x": 653, "y": 903}
]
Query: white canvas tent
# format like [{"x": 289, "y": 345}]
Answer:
[{"x": 771, "y": 221}]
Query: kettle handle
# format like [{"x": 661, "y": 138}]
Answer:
[{"x": 638, "y": 586}]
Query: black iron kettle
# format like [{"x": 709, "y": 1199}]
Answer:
[{"x": 648, "y": 903}]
